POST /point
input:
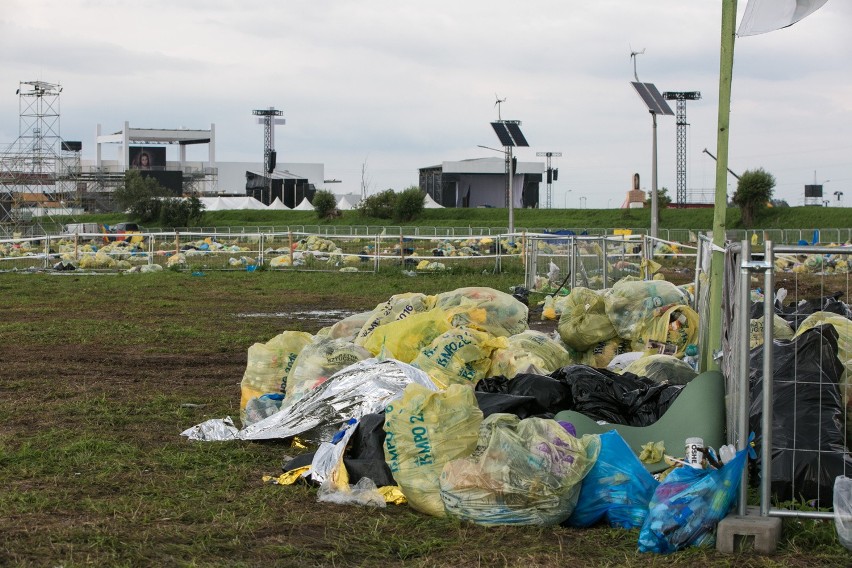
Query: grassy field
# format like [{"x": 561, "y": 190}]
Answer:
[
  {"x": 535, "y": 219},
  {"x": 101, "y": 373}
]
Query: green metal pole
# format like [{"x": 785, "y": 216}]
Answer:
[{"x": 713, "y": 338}]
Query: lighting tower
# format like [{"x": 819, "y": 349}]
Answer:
[
  {"x": 32, "y": 163},
  {"x": 681, "y": 97},
  {"x": 266, "y": 117},
  {"x": 552, "y": 174}
]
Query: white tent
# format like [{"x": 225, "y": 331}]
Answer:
[
  {"x": 429, "y": 203},
  {"x": 242, "y": 202},
  {"x": 305, "y": 205},
  {"x": 278, "y": 205},
  {"x": 343, "y": 204}
]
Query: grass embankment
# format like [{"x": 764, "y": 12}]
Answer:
[
  {"x": 535, "y": 219},
  {"x": 101, "y": 373}
]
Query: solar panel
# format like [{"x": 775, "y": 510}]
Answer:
[
  {"x": 517, "y": 136},
  {"x": 652, "y": 98},
  {"x": 502, "y": 133}
]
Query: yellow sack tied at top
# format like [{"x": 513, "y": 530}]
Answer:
[
  {"x": 529, "y": 348},
  {"x": 485, "y": 309},
  {"x": 584, "y": 322},
  {"x": 629, "y": 303},
  {"x": 424, "y": 430},
  {"x": 403, "y": 339},
  {"x": 458, "y": 356},
  {"x": 270, "y": 363}
]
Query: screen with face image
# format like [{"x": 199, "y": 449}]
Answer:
[{"x": 148, "y": 157}]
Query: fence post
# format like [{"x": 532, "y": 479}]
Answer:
[
  {"x": 604, "y": 268},
  {"x": 742, "y": 367},
  {"x": 260, "y": 240},
  {"x": 768, "y": 372},
  {"x": 290, "y": 246}
]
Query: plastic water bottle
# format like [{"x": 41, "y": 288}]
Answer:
[{"x": 690, "y": 356}]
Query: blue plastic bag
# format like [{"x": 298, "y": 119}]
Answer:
[
  {"x": 618, "y": 487},
  {"x": 688, "y": 505}
]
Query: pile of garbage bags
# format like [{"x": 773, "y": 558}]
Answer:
[{"x": 448, "y": 401}]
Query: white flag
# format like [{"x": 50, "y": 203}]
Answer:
[{"x": 763, "y": 16}]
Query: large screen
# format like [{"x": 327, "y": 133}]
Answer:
[{"x": 148, "y": 157}]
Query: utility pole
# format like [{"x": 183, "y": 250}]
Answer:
[
  {"x": 552, "y": 174},
  {"x": 266, "y": 117},
  {"x": 681, "y": 97}
]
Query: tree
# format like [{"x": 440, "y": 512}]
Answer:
[
  {"x": 135, "y": 195},
  {"x": 663, "y": 199},
  {"x": 381, "y": 205},
  {"x": 325, "y": 204},
  {"x": 147, "y": 201},
  {"x": 409, "y": 204},
  {"x": 754, "y": 190}
]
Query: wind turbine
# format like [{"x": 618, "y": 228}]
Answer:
[
  {"x": 497, "y": 104},
  {"x": 633, "y": 55}
]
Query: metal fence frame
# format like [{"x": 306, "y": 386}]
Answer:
[{"x": 749, "y": 265}]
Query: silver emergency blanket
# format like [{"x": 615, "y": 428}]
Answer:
[
  {"x": 214, "y": 430},
  {"x": 363, "y": 388}
]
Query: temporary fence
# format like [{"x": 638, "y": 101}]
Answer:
[
  {"x": 202, "y": 250},
  {"x": 597, "y": 262},
  {"x": 794, "y": 394}
]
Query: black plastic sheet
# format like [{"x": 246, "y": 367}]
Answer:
[{"x": 808, "y": 443}]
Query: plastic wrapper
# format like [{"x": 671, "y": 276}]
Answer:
[
  {"x": 522, "y": 472},
  {"x": 423, "y": 431},
  {"x": 397, "y": 307},
  {"x": 485, "y": 309},
  {"x": 319, "y": 360},
  {"x": 525, "y": 349},
  {"x": 269, "y": 364},
  {"x": 364, "y": 388},
  {"x": 364, "y": 493},
  {"x": 584, "y": 322},
  {"x": 780, "y": 330},
  {"x": 807, "y": 414},
  {"x": 843, "y": 510},
  {"x": 662, "y": 369},
  {"x": 618, "y": 488},
  {"x": 259, "y": 408},
  {"x": 213, "y": 430},
  {"x": 403, "y": 339},
  {"x": 629, "y": 303},
  {"x": 688, "y": 505}
]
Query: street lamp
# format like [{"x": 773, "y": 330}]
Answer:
[{"x": 566, "y": 198}]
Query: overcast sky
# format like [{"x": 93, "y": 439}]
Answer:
[{"x": 389, "y": 87}]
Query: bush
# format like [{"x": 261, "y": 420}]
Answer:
[
  {"x": 409, "y": 204},
  {"x": 381, "y": 205},
  {"x": 325, "y": 204}
]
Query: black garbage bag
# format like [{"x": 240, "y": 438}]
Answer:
[
  {"x": 550, "y": 395},
  {"x": 616, "y": 398},
  {"x": 795, "y": 314},
  {"x": 807, "y": 422},
  {"x": 365, "y": 454},
  {"x": 521, "y": 406}
]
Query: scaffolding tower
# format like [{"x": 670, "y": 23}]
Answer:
[
  {"x": 680, "y": 97},
  {"x": 37, "y": 171}
]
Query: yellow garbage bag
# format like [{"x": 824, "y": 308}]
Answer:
[
  {"x": 780, "y": 330},
  {"x": 424, "y": 430},
  {"x": 318, "y": 361},
  {"x": 403, "y": 339},
  {"x": 397, "y": 307},
  {"x": 676, "y": 326},
  {"x": 584, "y": 322},
  {"x": 602, "y": 353},
  {"x": 528, "y": 348},
  {"x": 458, "y": 356},
  {"x": 629, "y": 303},
  {"x": 269, "y": 364},
  {"x": 485, "y": 309}
]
